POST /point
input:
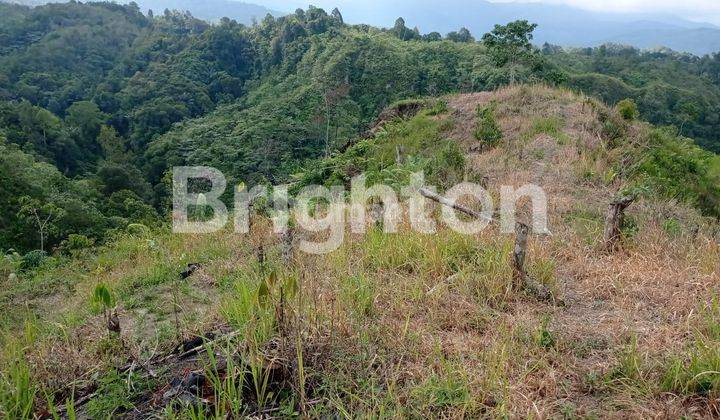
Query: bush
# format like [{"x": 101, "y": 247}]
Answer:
[
  {"x": 33, "y": 259},
  {"x": 75, "y": 244},
  {"x": 628, "y": 109},
  {"x": 487, "y": 129}
]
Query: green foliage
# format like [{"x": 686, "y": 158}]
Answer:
[
  {"x": 487, "y": 129},
  {"x": 115, "y": 396},
  {"x": 358, "y": 294},
  {"x": 33, "y": 259},
  {"x": 544, "y": 336},
  {"x": 102, "y": 298},
  {"x": 439, "y": 107},
  {"x": 442, "y": 391},
  {"x": 669, "y": 88},
  {"x": 17, "y": 391},
  {"x": 510, "y": 42},
  {"x": 628, "y": 109},
  {"x": 673, "y": 167},
  {"x": 96, "y": 110}
]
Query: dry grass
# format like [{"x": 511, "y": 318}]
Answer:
[{"x": 411, "y": 325}]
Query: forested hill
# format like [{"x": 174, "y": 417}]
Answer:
[
  {"x": 209, "y": 10},
  {"x": 98, "y": 100}
]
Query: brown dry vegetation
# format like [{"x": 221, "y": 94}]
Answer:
[{"x": 413, "y": 325}]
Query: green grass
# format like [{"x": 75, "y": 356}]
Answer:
[
  {"x": 17, "y": 391},
  {"x": 698, "y": 371}
]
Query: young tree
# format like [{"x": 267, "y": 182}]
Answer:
[{"x": 40, "y": 215}]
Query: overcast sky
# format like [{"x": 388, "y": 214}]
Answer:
[{"x": 699, "y": 10}]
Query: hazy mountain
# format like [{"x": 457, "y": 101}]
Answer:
[
  {"x": 558, "y": 24},
  {"x": 210, "y": 10}
]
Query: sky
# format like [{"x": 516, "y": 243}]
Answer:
[{"x": 697, "y": 10}]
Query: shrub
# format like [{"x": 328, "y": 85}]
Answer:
[
  {"x": 439, "y": 107},
  {"x": 487, "y": 129},
  {"x": 628, "y": 109},
  {"x": 33, "y": 259},
  {"x": 75, "y": 244}
]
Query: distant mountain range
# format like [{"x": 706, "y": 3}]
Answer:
[{"x": 558, "y": 24}]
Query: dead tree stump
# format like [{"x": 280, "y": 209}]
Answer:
[
  {"x": 286, "y": 239},
  {"x": 614, "y": 221},
  {"x": 519, "y": 251},
  {"x": 521, "y": 280}
]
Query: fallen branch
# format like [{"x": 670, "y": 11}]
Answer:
[
  {"x": 455, "y": 206},
  {"x": 147, "y": 366}
]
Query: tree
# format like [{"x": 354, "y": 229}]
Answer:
[
  {"x": 113, "y": 146},
  {"x": 87, "y": 118},
  {"x": 463, "y": 35},
  {"x": 510, "y": 42},
  {"x": 337, "y": 15},
  {"x": 40, "y": 215},
  {"x": 399, "y": 29},
  {"x": 432, "y": 36},
  {"x": 403, "y": 32}
]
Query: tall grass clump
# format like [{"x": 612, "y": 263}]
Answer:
[
  {"x": 17, "y": 390},
  {"x": 698, "y": 371}
]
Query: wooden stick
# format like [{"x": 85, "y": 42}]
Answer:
[{"x": 455, "y": 206}]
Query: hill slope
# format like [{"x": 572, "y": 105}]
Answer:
[{"x": 409, "y": 324}]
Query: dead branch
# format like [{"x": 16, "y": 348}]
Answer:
[{"x": 455, "y": 206}]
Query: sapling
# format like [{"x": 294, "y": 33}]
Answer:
[{"x": 103, "y": 298}]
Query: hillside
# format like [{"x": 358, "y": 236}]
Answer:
[
  {"x": 113, "y": 98},
  {"x": 406, "y": 324}
]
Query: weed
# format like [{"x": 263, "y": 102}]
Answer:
[
  {"x": 116, "y": 394},
  {"x": 544, "y": 337}
]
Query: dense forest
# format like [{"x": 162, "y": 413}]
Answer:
[{"x": 98, "y": 100}]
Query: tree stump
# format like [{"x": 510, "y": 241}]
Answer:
[
  {"x": 518, "y": 257},
  {"x": 521, "y": 280},
  {"x": 286, "y": 239},
  {"x": 614, "y": 221}
]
